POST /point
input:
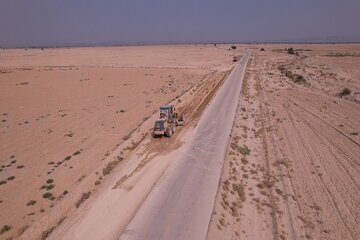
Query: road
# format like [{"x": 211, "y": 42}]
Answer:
[{"x": 181, "y": 203}]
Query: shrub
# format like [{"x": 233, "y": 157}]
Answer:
[
  {"x": 23, "y": 229},
  {"x": 111, "y": 165},
  {"x": 243, "y": 150},
  {"x": 290, "y": 51},
  {"x": 76, "y": 153},
  {"x": 67, "y": 158},
  {"x": 4, "y": 229},
  {"x": 239, "y": 189},
  {"x": 47, "y": 195},
  {"x": 299, "y": 79},
  {"x": 262, "y": 49},
  {"x": 233, "y": 47},
  {"x": 345, "y": 92},
  {"x": 46, "y": 233},
  {"x": 50, "y": 181},
  {"x": 31, "y": 203},
  {"x": 49, "y": 187},
  {"x": 126, "y": 137},
  {"x": 83, "y": 198}
]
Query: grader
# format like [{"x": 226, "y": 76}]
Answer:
[{"x": 168, "y": 121}]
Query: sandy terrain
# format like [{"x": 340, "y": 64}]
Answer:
[
  {"x": 68, "y": 116},
  {"x": 292, "y": 168}
]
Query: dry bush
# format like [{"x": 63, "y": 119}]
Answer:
[
  {"x": 126, "y": 137},
  {"x": 48, "y": 195},
  {"x": 339, "y": 54},
  {"x": 226, "y": 185},
  {"x": 243, "y": 150},
  {"x": 46, "y": 233},
  {"x": 291, "y": 51},
  {"x": 111, "y": 165},
  {"x": 23, "y": 229},
  {"x": 4, "y": 229},
  {"x": 294, "y": 77},
  {"x": 344, "y": 92},
  {"x": 31, "y": 203},
  {"x": 76, "y": 153},
  {"x": 82, "y": 199},
  {"x": 239, "y": 189}
]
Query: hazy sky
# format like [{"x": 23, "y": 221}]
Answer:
[{"x": 37, "y": 22}]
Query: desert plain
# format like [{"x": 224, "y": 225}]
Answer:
[{"x": 75, "y": 120}]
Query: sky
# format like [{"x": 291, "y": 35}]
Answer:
[{"x": 71, "y": 22}]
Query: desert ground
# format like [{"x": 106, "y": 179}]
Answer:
[
  {"x": 76, "y": 120},
  {"x": 64, "y": 112},
  {"x": 293, "y": 161}
]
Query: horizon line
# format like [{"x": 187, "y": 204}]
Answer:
[{"x": 124, "y": 44}]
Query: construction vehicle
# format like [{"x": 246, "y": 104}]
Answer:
[{"x": 169, "y": 119}]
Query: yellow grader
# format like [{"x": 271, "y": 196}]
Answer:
[{"x": 168, "y": 121}]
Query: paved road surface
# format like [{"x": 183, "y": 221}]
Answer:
[{"x": 181, "y": 204}]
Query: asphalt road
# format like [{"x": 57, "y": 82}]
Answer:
[{"x": 181, "y": 204}]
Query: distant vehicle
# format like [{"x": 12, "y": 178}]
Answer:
[
  {"x": 235, "y": 59},
  {"x": 168, "y": 121}
]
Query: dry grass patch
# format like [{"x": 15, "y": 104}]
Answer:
[
  {"x": 111, "y": 165},
  {"x": 47, "y": 233},
  {"x": 83, "y": 198},
  {"x": 22, "y": 229},
  {"x": 281, "y": 162},
  {"x": 226, "y": 185},
  {"x": 239, "y": 189},
  {"x": 243, "y": 150}
]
